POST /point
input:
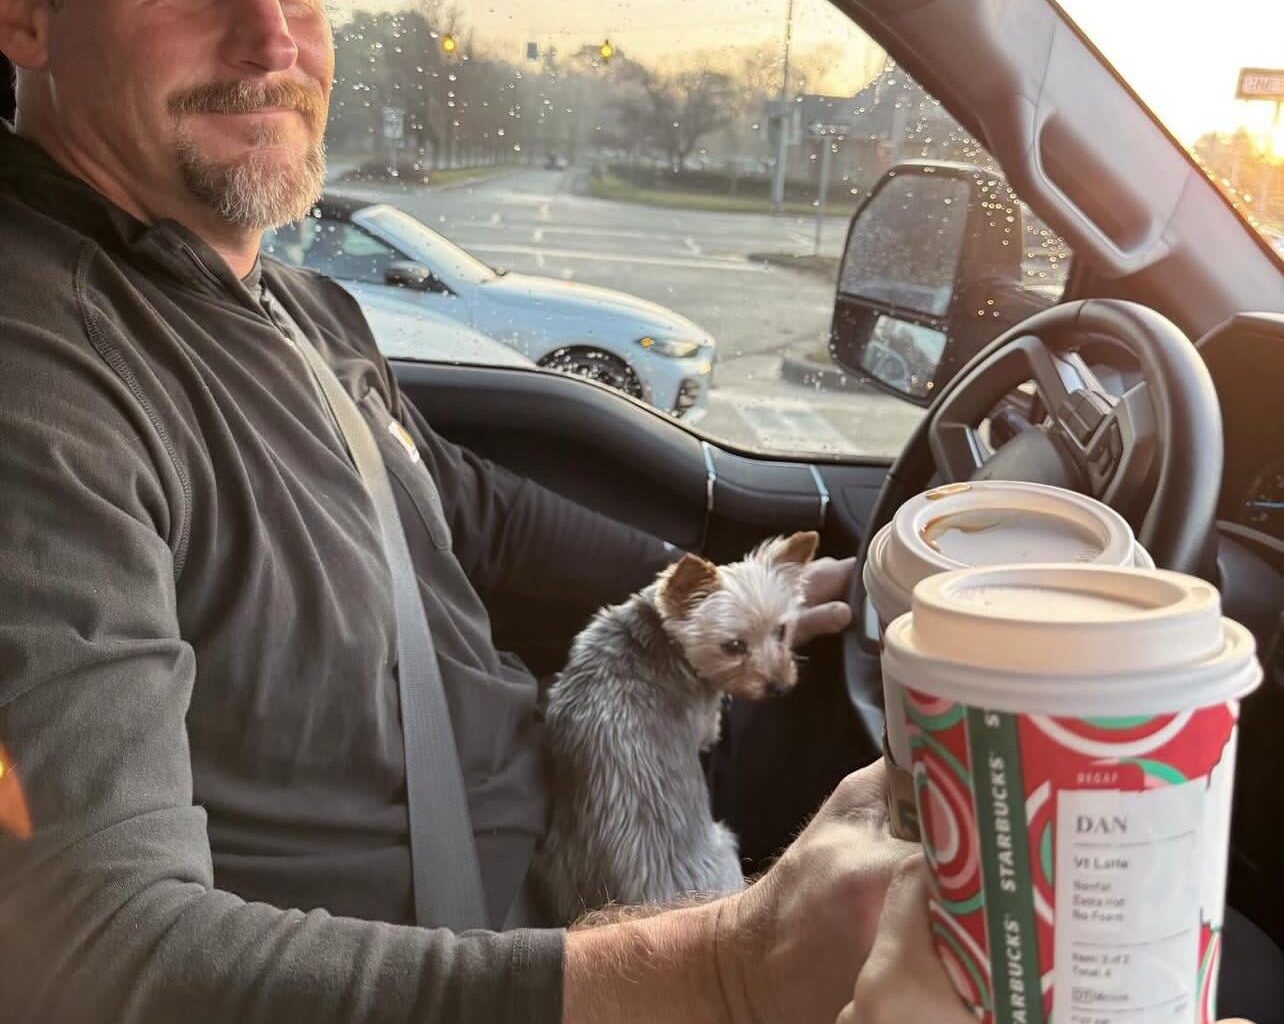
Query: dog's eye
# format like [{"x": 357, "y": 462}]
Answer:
[
  {"x": 734, "y": 647},
  {"x": 780, "y": 632}
]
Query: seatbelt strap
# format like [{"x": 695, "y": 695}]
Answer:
[{"x": 443, "y": 853}]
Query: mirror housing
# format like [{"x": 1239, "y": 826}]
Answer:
[
  {"x": 931, "y": 272},
  {"x": 409, "y": 274}
]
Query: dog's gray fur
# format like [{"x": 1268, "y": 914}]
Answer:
[{"x": 631, "y": 821}]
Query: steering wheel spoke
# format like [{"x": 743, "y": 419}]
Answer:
[
  {"x": 1117, "y": 455},
  {"x": 960, "y": 451}
]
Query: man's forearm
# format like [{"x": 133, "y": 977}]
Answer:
[{"x": 652, "y": 970}]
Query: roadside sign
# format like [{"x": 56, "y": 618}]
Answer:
[
  {"x": 394, "y": 124},
  {"x": 1261, "y": 84},
  {"x": 788, "y": 114},
  {"x": 830, "y": 129}
]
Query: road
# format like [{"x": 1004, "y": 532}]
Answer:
[{"x": 694, "y": 262}]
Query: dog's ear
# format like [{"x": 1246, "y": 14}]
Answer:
[
  {"x": 797, "y": 549},
  {"x": 685, "y": 585}
]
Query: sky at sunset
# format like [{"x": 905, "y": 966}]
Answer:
[{"x": 1182, "y": 56}]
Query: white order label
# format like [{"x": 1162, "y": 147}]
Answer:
[{"x": 1128, "y": 905}]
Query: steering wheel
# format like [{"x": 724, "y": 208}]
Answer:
[{"x": 1158, "y": 446}]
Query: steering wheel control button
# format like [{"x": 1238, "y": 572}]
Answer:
[
  {"x": 983, "y": 522},
  {"x": 1073, "y": 733},
  {"x": 1104, "y": 457},
  {"x": 1082, "y": 416},
  {"x": 1114, "y": 442}
]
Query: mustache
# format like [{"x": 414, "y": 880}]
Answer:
[{"x": 246, "y": 98}]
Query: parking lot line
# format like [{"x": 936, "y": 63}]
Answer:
[{"x": 704, "y": 263}]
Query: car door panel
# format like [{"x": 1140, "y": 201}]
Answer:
[
  {"x": 627, "y": 461},
  {"x": 623, "y": 459},
  {"x": 574, "y": 437}
]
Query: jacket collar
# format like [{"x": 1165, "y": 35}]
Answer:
[{"x": 32, "y": 177}]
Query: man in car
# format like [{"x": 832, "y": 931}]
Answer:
[{"x": 197, "y": 691}]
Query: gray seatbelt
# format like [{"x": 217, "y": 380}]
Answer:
[{"x": 443, "y": 854}]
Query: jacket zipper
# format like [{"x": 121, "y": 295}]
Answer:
[
  {"x": 284, "y": 326},
  {"x": 268, "y": 307}
]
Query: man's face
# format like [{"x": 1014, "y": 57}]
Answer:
[{"x": 218, "y": 103}]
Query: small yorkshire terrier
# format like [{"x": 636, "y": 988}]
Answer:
[{"x": 640, "y": 698}]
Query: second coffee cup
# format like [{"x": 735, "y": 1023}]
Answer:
[
  {"x": 1073, "y": 736},
  {"x": 958, "y": 526}
]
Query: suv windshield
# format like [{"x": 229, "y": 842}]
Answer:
[
  {"x": 672, "y": 184},
  {"x": 1215, "y": 80}
]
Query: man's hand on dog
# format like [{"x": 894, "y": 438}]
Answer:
[
  {"x": 827, "y": 584},
  {"x": 790, "y": 946}
]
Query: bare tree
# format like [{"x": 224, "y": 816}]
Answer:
[{"x": 672, "y": 111}]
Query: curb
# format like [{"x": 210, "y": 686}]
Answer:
[
  {"x": 788, "y": 261},
  {"x": 484, "y": 179},
  {"x": 797, "y": 370},
  {"x": 339, "y": 185}
]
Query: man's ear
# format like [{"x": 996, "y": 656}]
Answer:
[
  {"x": 685, "y": 585},
  {"x": 797, "y": 549},
  {"x": 24, "y": 32}
]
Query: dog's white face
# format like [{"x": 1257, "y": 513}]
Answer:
[{"x": 736, "y": 622}]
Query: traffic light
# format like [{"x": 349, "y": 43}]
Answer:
[
  {"x": 449, "y": 44},
  {"x": 606, "y": 51}
]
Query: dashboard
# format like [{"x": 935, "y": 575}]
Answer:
[
  {"x": 1245, "y": 356},
  {"x": 1262, "y": 507}
]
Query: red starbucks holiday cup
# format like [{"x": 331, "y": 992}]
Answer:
[
  {"x": 1072, "y": 731},
  {"x": 986, "y": 522}
]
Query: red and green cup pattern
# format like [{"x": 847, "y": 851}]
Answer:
[{"x": 992, "y": 860}]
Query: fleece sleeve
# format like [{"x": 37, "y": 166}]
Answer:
[{"x": 108, "y": 910}]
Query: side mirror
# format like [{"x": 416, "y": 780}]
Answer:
[
  {"x": 408, "y": 274},
  {"x": 930, "y": 273}
]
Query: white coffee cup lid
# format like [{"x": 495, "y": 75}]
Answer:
[
  {"x": 1071, "y": 640},
  {"x": 990, "y": 522}
]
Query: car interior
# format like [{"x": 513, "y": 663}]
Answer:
[{"x": 1169, "y": 290}]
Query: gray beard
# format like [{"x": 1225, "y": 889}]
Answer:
[{"x": 253, "y": 193}]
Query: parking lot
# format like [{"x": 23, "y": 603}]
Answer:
[{"x": 694, "y": 262}]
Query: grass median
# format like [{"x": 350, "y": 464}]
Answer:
[
  {"x": 435, "y": 179},
  {"x": 609, "y": 186},
  {"x": 463, "y": 175}
]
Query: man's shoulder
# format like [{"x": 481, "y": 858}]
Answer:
[{"x": 39, "y": 261}]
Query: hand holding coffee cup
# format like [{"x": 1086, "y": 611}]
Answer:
[
  {"x": 1072, "y": 733},
  {"x": 902, "y": 980}
]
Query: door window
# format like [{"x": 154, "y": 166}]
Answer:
[{"x": 1216, "y": 83}]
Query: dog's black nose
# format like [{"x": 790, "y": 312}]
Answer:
[{"x": 777, "y": 688}]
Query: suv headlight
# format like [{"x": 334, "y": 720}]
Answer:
[{"x": 671, "y": 347}]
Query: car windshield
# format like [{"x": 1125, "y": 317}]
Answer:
[
  {"x": 675, "y": 182},
  {"x": 422, "y": 243},
  {"x": 1215, "y": 78}
]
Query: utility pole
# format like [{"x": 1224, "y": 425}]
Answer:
[{"x": 782, "y": 142}]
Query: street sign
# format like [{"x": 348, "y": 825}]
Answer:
[
  {"x": 788, "y": 112},
  {"x": 394, "y": 124},
  {"x": 1261, "y": 84},
  {"x": 830, "y": 129}
]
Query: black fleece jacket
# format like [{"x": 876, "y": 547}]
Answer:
[{"x": 196, "y": 646}]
